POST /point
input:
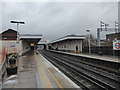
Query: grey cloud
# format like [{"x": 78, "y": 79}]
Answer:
[{"x": 53, "y": 19}]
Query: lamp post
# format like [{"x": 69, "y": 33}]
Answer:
[
  {"x": 17, "y": 22},
  {"x": 89, "y": 40}
]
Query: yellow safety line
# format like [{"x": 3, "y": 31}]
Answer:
[
  {"x": 54, "y": 78},
  {"x": 40, "y": 68}
]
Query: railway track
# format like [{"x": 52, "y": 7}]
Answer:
[{"x": 87, "y": 75}]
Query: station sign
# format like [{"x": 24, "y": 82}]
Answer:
[
  {"x": 116, "y": 45},
  {"x": 10, "y": 47}
]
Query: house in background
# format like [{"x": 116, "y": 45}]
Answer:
[
  {"x": 9, "y": 34},
  {"x": 112, "y": 37}
]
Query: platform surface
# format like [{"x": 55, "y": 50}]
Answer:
[
  {"x": 50, "y": 75},
  {"x": 101, "y": 57},
  {"x": 26, "y": 77},
  {"x": 34, "y": 71}
]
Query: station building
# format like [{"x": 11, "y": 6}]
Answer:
[
  {"x": 11, "y": 44},
  {"x": 69, "y": 43}
]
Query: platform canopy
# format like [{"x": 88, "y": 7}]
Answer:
[
  {"x": 69, "y": 37},
  {"x": 31, "y": 38}
]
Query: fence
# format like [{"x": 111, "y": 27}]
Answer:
[
  {"x": 3, "y": 64},
  {"x": 105, "y": 50}
]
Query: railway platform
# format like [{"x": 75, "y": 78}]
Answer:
[
  {"x": 34, "y": 71},
  {"x": 94, "y": 56}
]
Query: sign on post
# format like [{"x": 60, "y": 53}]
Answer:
[{"x": 116, "y": 45}]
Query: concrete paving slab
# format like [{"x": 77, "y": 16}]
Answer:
[
  {"x": 26, "y": 77},
  {"x": 34, "y": 71}
]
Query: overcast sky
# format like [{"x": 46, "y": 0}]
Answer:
[{"x": 57, "y": 19}]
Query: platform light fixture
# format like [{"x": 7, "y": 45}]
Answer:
[{"x": 17, "y": 22}]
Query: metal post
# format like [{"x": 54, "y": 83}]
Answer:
[
  {"x": 89, "y": 44},
  {"x": 106, "y": 27},
  {"x": 89, "y": 40},
  {"x": 17, "y": 44},
  {"x": 102, "y": 24},
  {"x": 98, "y": 36},
  {"x": 116, "y": 27},
  {"x": 98, "y": 32}
]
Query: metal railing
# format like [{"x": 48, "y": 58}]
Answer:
[{"x": 2, "y": 70}]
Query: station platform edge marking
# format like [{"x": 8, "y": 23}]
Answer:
[
  {"x": 75, "y": 85},
  {"x": 54, "y": 78},
  {"x": 39, "y": 69}
]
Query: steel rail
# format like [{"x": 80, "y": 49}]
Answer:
[
  {"x": 85, "y": 61},
  {"x": 70, "y": 74},
  {"x": 55, "y": 57},
  {"x": 74, "y": 67},
  {"x": 93, "y": 69}
]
